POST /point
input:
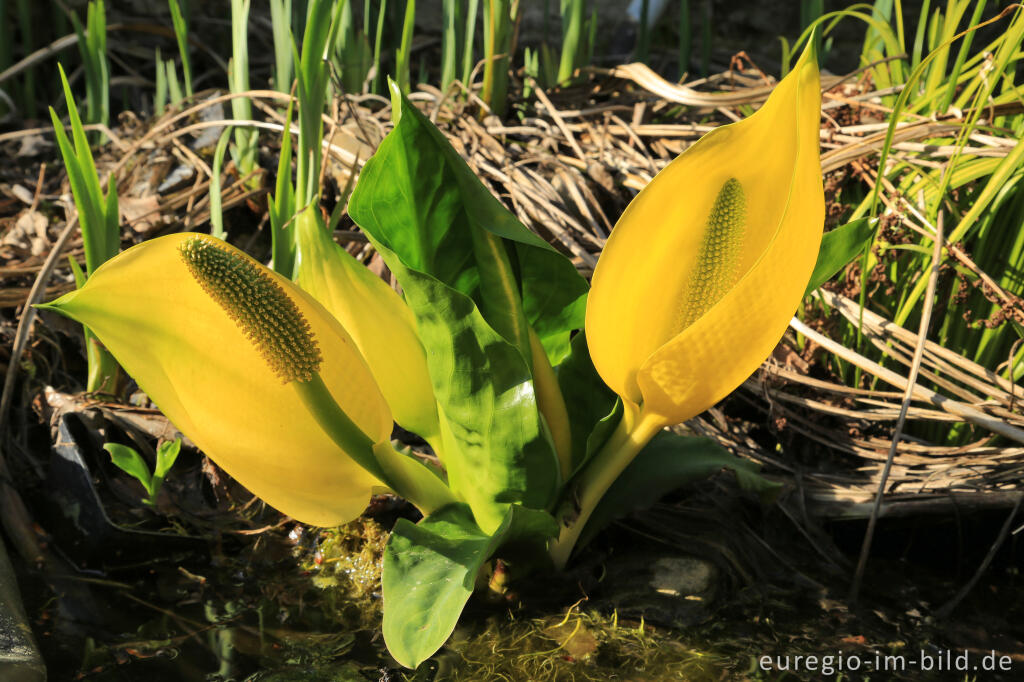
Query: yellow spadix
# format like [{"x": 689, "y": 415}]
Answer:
[
  {"x": 239, "y": 359},
  {"x": 708, "y": 263}
]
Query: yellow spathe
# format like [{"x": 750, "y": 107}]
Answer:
[
  {"x": 708, "y": 263},
  {"x": 376, "y": 317},
  {"x": 198, "y": 366}
]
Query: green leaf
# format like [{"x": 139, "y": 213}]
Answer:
[
  {"x": 97, "y": 215},
  {"x": 474, "y": 277},
  {"x": 216, "y": 207},
  {"x": 428, "y": 574},
  {"x": 495, "y": 449},
  {"x": 430, "y": 570},
  {"x": 166, "y": 455},
  {"x": 839, "y": 247},
  {"x": 588, "y": 400},
  {"x": 436, "y": 215},
  {"x": 129, "y": 461},
  {"x": 281, "y": 206},
  {"x": 668, "y": 462}
]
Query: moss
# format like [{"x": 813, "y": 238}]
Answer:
[
  {"x": 579, "y": 647},
  {"x": 346, "y": 564}
]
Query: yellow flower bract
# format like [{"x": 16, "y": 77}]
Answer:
[
  {"x": 213, "y": 382},
  {"x": 708, "y": 263}
]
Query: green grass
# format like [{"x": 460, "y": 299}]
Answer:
[
  {"x": 99, "y": 221},
  {"x": 92, "y": 45},
  {"x": 981, "y": 198}
]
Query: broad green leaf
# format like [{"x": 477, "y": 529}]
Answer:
[
  {"x": 430, "y": 569},
  {"x": 839, "y": 247},
  {"x": 466, "y": 265},
  {"x": 493, "y": 443},
  {"x": 429, "y": 572},
  {"x": 129, "y": 461},
  {"x": 587, "y": 399},
  {"x": 668, "y": 462},
  {"x": 428, "y": 207}
]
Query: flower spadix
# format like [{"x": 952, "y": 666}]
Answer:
[
  {"x": 705, "y": 267},
  {"x": 231, "y": 352}
]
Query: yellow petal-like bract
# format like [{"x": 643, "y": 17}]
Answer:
[
  {"x": 227, "y": 385},
  {"x": 376, "y": 317},
  {"x": 708, "y": 263}
]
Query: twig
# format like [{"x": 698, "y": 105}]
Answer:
[
  {"x": 908, "y": 396},
  {"x": 558, "y": 118},
  {"x": 969, "y": 413}
]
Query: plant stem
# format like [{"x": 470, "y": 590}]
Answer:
[
  {"x": 332, "y": 419},
  {"x": 413, "y": 480},
  {"x": 634, "y": 432},
  {"x": 407, "y": 476}
]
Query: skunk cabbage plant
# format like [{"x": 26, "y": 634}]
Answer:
[{"x": 545, "y": 409}]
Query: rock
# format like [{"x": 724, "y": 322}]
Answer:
[
  {"x": 674, "y": 590},
  {"x": 19, "y": 659}
]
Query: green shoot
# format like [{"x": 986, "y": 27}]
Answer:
[
  {"x": 377, "y": 44},
  {"x": 643, "y": 36},
  {"x": 99, "y": 221},
  {"x": 499, "y": 19},
  {"x": 531, "y": 67},
  {"x": 312, "y": 79},
  {"x": 281, "y": 207},
  {"x": 810, "y": 10},
  {"x": 403, "y": 55},
  {"x": 97, "y": 214},
  {"x": 449, "y": 13},
  {"x": 216, "y": 209},
  {"x": 128, "y": 460},
  {"x": 92, "y": 44},
  {"x": 173, "y": 84},
  {"x": 167, "y": 84},
  {"x": 181, "y": 33},
  {"x": 467, "y": 43},
  {"x": 686, "y": 37},
  {"x": 351, "y": 53},
  {"x": 245, "y": 150},
  {"x": 160, "y": 96},
  {"x": 312, "y": 93},
  {"x": 573, "y": 44},
  {"x": 280, "y": 19}
]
